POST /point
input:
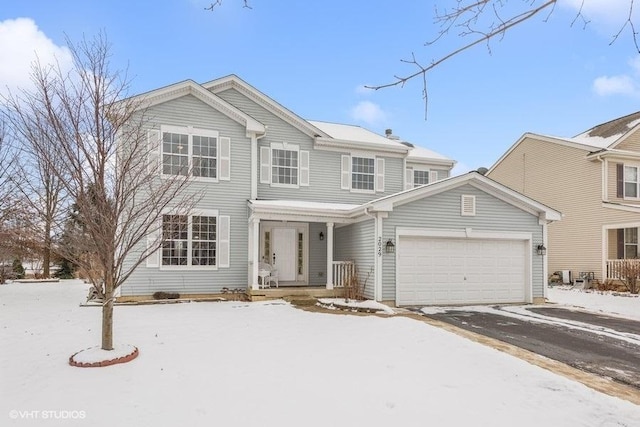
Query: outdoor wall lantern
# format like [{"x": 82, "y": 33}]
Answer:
[
  {"x": 541, "y": 249},
  {"x": 321, "y": 235},
  {"x": 389, "y": 247}
]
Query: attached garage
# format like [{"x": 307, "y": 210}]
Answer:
[{"x": 462, "y": 270}]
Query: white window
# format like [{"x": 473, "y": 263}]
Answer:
[
  {"x": 420, "y": 177},
  {"x": 631, "y": 181},
  {"x": 284, "y": 165},
  {"x": 199, "y": 240},
  {"x": 363, "y": 173},
  {"x": 200, "y": 152}
]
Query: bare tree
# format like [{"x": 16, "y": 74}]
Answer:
[
  {"x": 40, "y": 188},
  {"x": 481, "y": 21},
  {"x": 102, "y": 155}
]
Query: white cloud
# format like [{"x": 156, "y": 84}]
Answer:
[
  {"x": 369, "y": 113},
  {"x": 602, "y": 12},
  {"x": 615, "y": 85},
  {"x": 21, "y": 42},
  {"x": 622, "y": 84}
]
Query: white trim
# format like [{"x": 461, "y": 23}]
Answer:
[
  {"x": 330, "y": 282},
  {"x": 303, "y": 171},
  {"x": 345, "y": 172},
  {"x": 190, "y": 215},
  {"x": 366, "y": 157},
  {"x": 299, "y": 227},
  {"x": 379, "y": 175},
  {"x": 284, "y": 146},
  {"x": 379, "y": 248},
  {"x": 224, "y": 159},
  {"x": 191, "y": 131},
  {"x": 625, "y": 208},
  {"x": 223, "y": 230},
  {"x": 265, "y": 165}
]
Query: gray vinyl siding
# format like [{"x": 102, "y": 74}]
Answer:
[
  {"x": 324, "y": 166},
  {"x": 443, "y": 211},
  {"x": 228, "y": 197},
  {"x": 317, "y": 254},
  {"x": 355, "y": 242}
]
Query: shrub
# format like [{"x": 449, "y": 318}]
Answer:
[{"x": 18, "y": 269}]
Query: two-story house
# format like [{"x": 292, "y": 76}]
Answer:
[
  {"x": 594, "y": 180},
  {"x": 310, "y": 199}
]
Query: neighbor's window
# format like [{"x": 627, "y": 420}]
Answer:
[
  {"x": 363, "y": 173},
  {"x": 284, "y": 166},
  {"x": 189, "y": 243},
  {"x": 631, "y": 243},
  {"x": 183, "y": 150},
  {"x": 631, "y": 181}
]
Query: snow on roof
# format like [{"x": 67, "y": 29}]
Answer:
[
  {"x": 424, "y": 153},
  {"x": 606, "y": 134},
  {"x": 353, "y": 133}
]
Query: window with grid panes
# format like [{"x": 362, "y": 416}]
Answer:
[
  {"x": 363, "y": 173},
  {"x": 284, "y": 166}
]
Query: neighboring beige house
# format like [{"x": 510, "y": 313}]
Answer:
[{"x": 594, "y": 180}]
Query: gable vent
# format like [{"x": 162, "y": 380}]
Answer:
[{"x": 468, "y": 205}]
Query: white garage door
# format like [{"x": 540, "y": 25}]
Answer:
[{"x": 460, "y": 271}]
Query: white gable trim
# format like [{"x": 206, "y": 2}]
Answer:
[
  {"x": 234, "y": 82},
  {"x": 189, "y": 87}
]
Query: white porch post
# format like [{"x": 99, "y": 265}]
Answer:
[
  {"x": 254, "y": 229},
  {"x": 329, "y": 255}
]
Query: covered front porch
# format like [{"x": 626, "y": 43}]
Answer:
[
  {"x": 292, "y": 247},
  {"x": 621, "y": 252}
]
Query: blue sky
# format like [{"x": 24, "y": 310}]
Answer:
[{"x": 314, "y": 58}]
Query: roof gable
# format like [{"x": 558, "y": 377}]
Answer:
[
  {"x": 234, "y": 82},
  {"x": 475, "y": 179},
  {"x": 611, "y": 133},
  {"x": 189, "y": 87}
]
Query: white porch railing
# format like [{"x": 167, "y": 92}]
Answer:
[
  {"x": 616, "y": 267},
  {"x": 343, "y": 272}
]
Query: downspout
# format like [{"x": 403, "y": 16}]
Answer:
[{"x": 254, "y": 223}]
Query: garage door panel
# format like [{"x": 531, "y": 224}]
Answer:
[{"x": 460, "y": 271}]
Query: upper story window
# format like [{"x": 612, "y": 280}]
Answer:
[
  {"x": 631, "y": 182},
  {"x": 187, "y": 150},
  {"x": 417, "y": 177},
  {"x": 284, "y": 165},
  {"x": 362, "y": 174}
]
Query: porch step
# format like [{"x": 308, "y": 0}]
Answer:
[{"x": 302, "y": 293}]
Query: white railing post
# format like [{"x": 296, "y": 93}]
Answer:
[{"x": 330, "y": 255}]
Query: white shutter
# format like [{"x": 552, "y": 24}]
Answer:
[
  {"x": 153, "y": 261},
  {"x": 224, "y": 232},
  {"x": 224, "y": 159},
  {"x": 304, "y": 168},
  {"x": 265, "y": 165},
  {"x": 380, "y": 175},
  {"x": 433, "y": 176},
  {"x": 345, "y": 181},
  {"x": 153, "y": 150},
  {"x": 408, "y": 179}
]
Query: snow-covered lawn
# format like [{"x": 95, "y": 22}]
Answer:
[
  {"x": 268, "y": 364},
  {"x": 619, "y": 304}
]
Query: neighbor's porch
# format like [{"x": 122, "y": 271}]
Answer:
[{"x": 622, "y": 252}]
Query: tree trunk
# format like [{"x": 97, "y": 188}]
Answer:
[
  {"x": 107, "y": 324},
  {"x": 46, "y": 253}
]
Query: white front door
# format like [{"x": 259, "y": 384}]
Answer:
[{"x": 285, "y": 253}]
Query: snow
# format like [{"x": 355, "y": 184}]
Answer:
[
  {"x": 618, "y": 304},
  {"x": 96, "y": 354},
  {"x": 424, "y": 153},
  {"x": 269, "y": 364},
  {"x": 352, "y": 133}
]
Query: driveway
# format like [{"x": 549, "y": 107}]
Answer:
[{"x": 603, "y": 345}]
